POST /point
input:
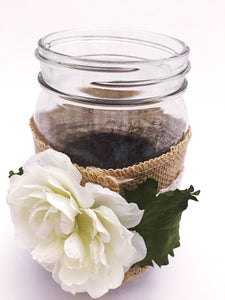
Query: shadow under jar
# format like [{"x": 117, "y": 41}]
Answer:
[{"x": 111, "y": 99}]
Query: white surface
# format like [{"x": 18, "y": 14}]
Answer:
[{"x": 198, "y": 269}]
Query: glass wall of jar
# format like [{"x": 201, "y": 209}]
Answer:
[{"x": 111, "y": 99}]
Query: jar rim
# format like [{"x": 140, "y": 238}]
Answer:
[
  {"x": 113, "y": 66},
  {"x": 168, "y": 47}
]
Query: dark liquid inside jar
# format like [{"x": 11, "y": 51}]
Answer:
[{"x": 109, "y": 150}]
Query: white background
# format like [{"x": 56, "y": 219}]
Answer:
[{"x": 198, "y": 269}]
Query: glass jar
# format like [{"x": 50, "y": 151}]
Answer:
[{"x": 111, "y": 99}]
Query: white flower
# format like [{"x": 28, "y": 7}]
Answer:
[{"x": 78, "y": 233}]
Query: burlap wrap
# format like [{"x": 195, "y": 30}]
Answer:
[{"x": 163, "y": 169}]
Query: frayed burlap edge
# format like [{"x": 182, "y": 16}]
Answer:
[
  {"x": 163, "y": 169},
  {"x": 134, "y": 272}
]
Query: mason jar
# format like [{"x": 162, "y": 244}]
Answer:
[{"x": 111, "y": 99}]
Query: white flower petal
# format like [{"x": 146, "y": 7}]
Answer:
[
  {"x": 73, "y": 276},
  {"x": 98, "y": 226},
  {"x": 51, "y": 210},
  {"x": 97, "y": 253},
  {"x": 116, "y": 275},
  {"x": 57, "y": 225},
  {"x": 71, "y": 280},
  {"x": 66, "y": 224},
  {"x": 62, "y": 204},
  {"x": 62, "y": 184},
  {"x": 21, "y": 189},
  {"x": 139, "y": 244},
  {"x": 36, "y": 194},
  {"x": 55, "y": 185},
  {"x": 106, "y": 281},
  {"x": 128, "y": 213},
  {"x": 25, "y": 236},
  {"x": 83, "y": 197},
  {"x": 120, "y": 237},
  {"x": 102, "y": 255},
  {"x": 107, "y": 214},
  {"x": 48, "y": 251},
  {"x": 36, "y": 210},
  {"x": 44, "y": 229},
  {"x": 74, "y": 247},
  {"x": 57, "y": 159}
]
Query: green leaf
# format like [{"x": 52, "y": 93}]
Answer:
[
  {"x": 143, "y": 194},
  {"x": 160, "y": 223},
  {"x": 11, "y": 173}
]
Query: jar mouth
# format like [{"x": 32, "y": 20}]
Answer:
[
  {"x": 118, "y": 51},
  {"x": 111, "y": 67}
]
